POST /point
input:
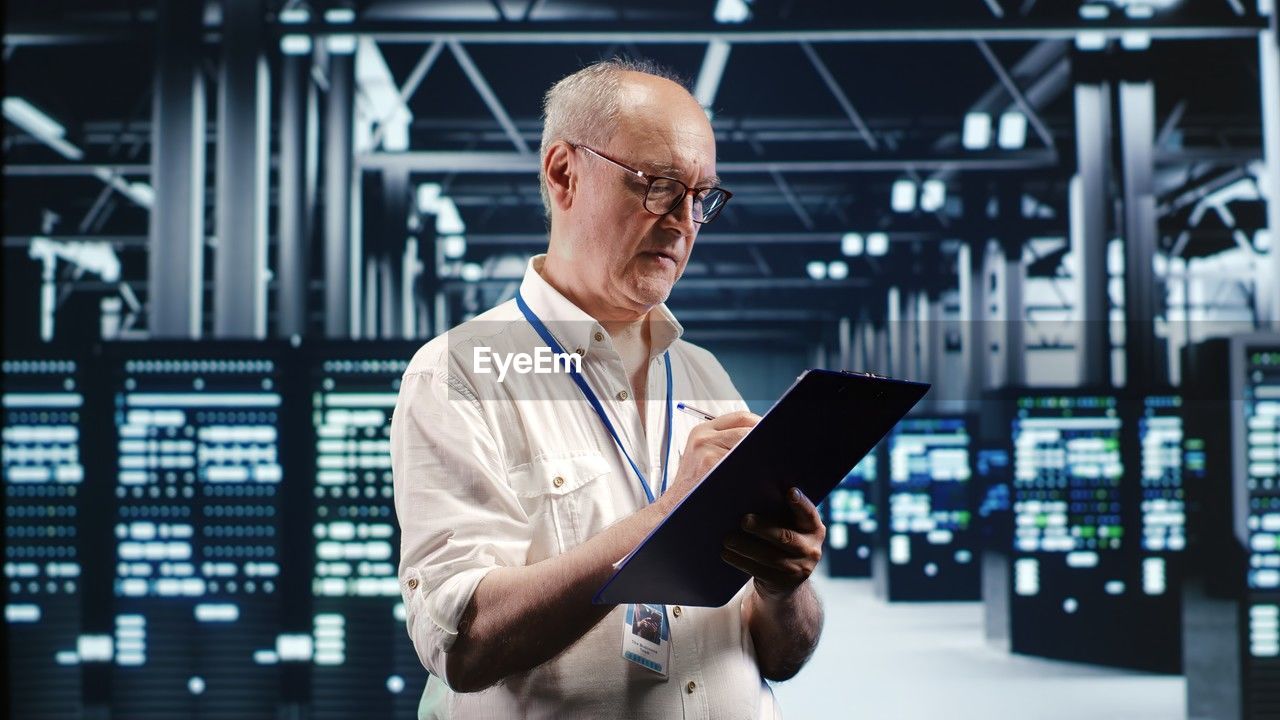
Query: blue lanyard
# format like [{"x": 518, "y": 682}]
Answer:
[{"x": 581, "y": 382}]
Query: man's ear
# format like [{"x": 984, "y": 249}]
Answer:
[{"x": 562, "y": 182}]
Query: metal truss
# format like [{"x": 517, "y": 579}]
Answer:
[{"x": 1029, "y": 85}]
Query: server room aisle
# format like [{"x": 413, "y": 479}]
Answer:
[{"x": 923, "y": 661}]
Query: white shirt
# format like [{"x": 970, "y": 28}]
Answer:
[{"x": 490, "y": 474}]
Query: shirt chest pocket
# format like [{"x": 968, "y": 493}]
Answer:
[{"x": 566, "y": 498}]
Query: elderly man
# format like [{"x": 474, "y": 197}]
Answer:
[{"x": 517, "y": 491}]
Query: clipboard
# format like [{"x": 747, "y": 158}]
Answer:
[{"x": 822, "y": 426}]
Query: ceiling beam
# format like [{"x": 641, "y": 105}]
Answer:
[
  {"x": 1033, "y": 117},
  {"x": 647, "y": 32},
  {"x": 838, "y": 93},
  {"x": 490, "y": 99},
  {"x": 515, "y": 163}
]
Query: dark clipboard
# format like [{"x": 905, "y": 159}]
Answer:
[{"x": 822, "y": 426}]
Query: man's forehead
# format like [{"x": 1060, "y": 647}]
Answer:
[{"x": 676, "y": 155}]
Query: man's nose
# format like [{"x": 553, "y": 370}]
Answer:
[{"x": 682, "y": 215}]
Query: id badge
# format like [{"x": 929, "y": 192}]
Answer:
[{"x": 646, "y": 637}]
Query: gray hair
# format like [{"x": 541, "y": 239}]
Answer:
[{"x": 583, "y": 108}]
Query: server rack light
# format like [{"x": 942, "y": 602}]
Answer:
[
  {"x": 927, "y": 536},
  {"x": 1257, "y": 484},
  {"x": 1067, "y": 529},
  {"x": 1164, "y": 506},
  {"x": 363, "y": 662},
  {"x": 197, "y": 534},
  {"x": 850, "y": 515},
  {"x": 1232, "y": 591},
  {"x": 43, "y": 480},
  {"x": 1077, "y": 569},
  {"x": 1156, "y": 510}
]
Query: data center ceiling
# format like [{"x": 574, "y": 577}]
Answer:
[{"x": 813, "y": 132}]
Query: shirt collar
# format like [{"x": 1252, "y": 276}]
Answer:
[{"x": 573, "y": 328}]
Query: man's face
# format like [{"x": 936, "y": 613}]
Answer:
[{"x": 625, "y": 253}]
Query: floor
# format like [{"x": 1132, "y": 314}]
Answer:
[{"x": 917, "y": 661}]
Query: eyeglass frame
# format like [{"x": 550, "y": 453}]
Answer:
[{"x": 651, "y": 179}]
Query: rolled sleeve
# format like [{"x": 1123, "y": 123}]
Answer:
[{"x": 458, "y": 517}]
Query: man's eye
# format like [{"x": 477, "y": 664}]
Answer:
[{"x": 664, "y": 190}]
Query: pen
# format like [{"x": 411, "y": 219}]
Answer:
[{"x": 691, "y": 410}]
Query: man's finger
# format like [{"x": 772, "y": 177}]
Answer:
[
  {"x": 759, "y": 549},
  {"x": 805, "y": 512},
  {"x": 729, "y": 439},
  {"x": 756, "y": 569},
  {"x": 788, "y": 540},
  {"x": 738, "y": 418}
]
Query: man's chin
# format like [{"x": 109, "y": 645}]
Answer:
[{"x": 651, "y": 290}]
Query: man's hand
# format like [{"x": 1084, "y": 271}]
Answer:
[
  {"x": 780, "y": 557},
  {"x": 707, "y": 443},
  {"x": 782, "y": 611}
]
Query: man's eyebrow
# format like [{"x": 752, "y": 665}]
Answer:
[
  {"x": 661, "y": 168},
  {"x": 668, "y": 170}
]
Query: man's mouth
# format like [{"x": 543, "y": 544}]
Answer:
[{"x": 660, "y": 255}]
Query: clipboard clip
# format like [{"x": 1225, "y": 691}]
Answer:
[{"x": 864, "y": 373}]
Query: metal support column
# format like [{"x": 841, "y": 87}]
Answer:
[
  {"x": 369, "y": 299},
  {"x": 924, "y": 324},
  {"x": 821, "y": 355},
  {"x": 395, "y": 231},
  {"x": 845, "y": 341},
  {"x": 894, "y": 363},
  {"x": 906, "y": 362},
  {"x": 933, "y": 348},
  {"x": 388, "y": 294},
  {"x": 1145, "y": 359},
  {"x": 340, "y": 263},
  {"x": 1014, "y": 342},
  {"x": 859, "y": 356},
  {"x": 1269, "y": 67},
  {"x": 175, "y": 272},
  {"x": 297, "y": 172},
  {"x": 882, "y": 363},
  {"x": 1089, "y": 235},
  {"x": 425, "y": 289},
  {"x": 409, "y": 271},
  {"x": 971, "y": 264},
  {"x": 869, "y": 360},
  {"x": 240, "y": 267}
]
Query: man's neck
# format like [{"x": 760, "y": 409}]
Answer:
[{"x": 626, "y": 326}]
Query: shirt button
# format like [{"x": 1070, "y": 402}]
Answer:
[
  {"x": 690, "y": 687},
  {"x": 599, "y": 337},
  {"x": 579, "y": 352},
  {"x": 413, "y": 583},
  {"x": 676, "y": 611},
  {"x": 557, "y": 481},
  {"x": 622, "y": 395}
]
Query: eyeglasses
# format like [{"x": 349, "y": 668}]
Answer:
[{"x": 665, "y": 194}]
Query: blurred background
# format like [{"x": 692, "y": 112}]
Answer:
[{"x": 228, "y": 226}]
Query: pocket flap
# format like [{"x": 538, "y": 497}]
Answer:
[{"x": 556, "y": 475}]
